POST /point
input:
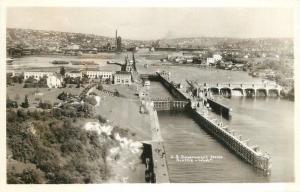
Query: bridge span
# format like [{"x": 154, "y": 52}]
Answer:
[
  {"x": 243, "y": 89},
  {"x": 161, "y": 104}
]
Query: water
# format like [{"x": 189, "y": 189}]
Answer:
[
  {"x": 266, "y": 127},
  {"x": 44, "y": 62},
  {"x": 266, "y": 122}
]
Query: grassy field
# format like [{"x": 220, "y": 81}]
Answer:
[
  {"x": 17, "y": 93},
  {"x": 125, "y": 113}
]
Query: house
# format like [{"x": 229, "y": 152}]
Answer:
[
  {"x": 36, "y": 74},
  {"x": 122, "y": 77},
  {"x": 54, "y": 81},
  {"x": 95, "y": 74},
  {"x": 210, "y": 60}
]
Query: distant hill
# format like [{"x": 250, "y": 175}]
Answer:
[{"x": 54, "y": 39}]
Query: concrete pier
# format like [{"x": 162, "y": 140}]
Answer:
[
  {"x": 250, "y": 154},
  {"x": 158, "y": 151},
  {"x": 219, "y": 108}
]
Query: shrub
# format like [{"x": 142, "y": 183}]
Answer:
[
  {"x": 28, "y": 176},
  {"x": 100, "y": 87},
  {"x": 91, "y": 100},
  {"x": 62, "y": 96},
  {"x": 33, "y": 176},
  {"x": 101, "y": 119},
  {"x": 25, "y": 104},
  {"x": 45, "y": 105},
  {"x": 11, "y": 104}
]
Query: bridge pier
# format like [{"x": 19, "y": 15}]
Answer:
[{"x": 237, "y": 89}]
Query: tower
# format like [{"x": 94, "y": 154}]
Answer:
[
  {"x": 116, "y": 39},
  {"x": 118, "y": 46}
]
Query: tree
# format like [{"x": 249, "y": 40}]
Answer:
[
  {"x": 45, "y": 105},
  {"x": 101, "y": 119},
  {"x": 34, "y": 176},
  {"x": 91, "y": 100},
  {"x": 117, "y": 94},
  {"x": 100, "y": 87},
  {"x": 43, "y": 82},
  {"x": 62, "y": 71},
  {"x": 25, "y": 104},
  {"x": 9, "y": 80},
  {"x": 62, "y": 96},
  {"x": 11, "y": 104}
]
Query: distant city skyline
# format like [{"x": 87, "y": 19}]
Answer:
[{"x": 157, "y": 23}]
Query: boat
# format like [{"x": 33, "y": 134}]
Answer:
[
  {"x": 83, "y": 63},
  {"x": 60, "y": 62},
  {"x": 111, "y": 62}
]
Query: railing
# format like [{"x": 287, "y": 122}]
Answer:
[
  {"x": 242, "y": 85},
  {"x": 167, "y": 104}
]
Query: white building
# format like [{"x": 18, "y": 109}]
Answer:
[
  {"x": 210, "y": 60},
  {"x": 36, "y": 74},
  {"x": 122, "y": 77},
  {"x": 74, "y": 74},
  {"x": 92, "y": 74},
  {"x": 73, "y": 47},
  {"x": 147, "y": 83},
  {"x": 54, "y": 81},
  {"x": 217, "y": 57}
]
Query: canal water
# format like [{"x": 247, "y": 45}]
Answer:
[
  {"x": 45, "y": 62},
  {"x": 267, "y": 122}
]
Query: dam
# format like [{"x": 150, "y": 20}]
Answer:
[{"x": 266, "y": 89}]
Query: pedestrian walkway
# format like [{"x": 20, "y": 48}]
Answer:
[{"x": 158, "y": 150}]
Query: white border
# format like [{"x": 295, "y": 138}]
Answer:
[{"x": 272, "y": 187}]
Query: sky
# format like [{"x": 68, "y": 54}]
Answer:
[{"x": 157, "y": 23}]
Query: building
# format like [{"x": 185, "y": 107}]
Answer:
[
  {"x": 74, "y": 74},
  {"x": 11, "y": 73},
  {"x": 210, "y": 60},
  {"x": 97, "y": 74},
  {"x": 36, "y": 74},
  {"x": 217, "y": 57},
  {"x": 122, "y": 77},
  {"x": 118, "y": 42},
  {"x": 54, "y": 81}
]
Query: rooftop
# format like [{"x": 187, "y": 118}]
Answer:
[{"x": 123, "y": 73}]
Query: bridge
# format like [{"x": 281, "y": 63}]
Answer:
[
  {"x": 161, "y": 104},
  {"x": 243, "y": 89},
  {"x": 151, "y": 77}
]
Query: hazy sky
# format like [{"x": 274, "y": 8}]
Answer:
[{"x": 157, "y": 23}]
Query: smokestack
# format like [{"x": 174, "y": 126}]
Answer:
[{"x": 116, "y": 38}]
